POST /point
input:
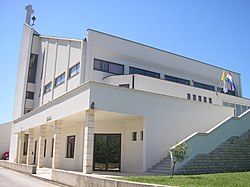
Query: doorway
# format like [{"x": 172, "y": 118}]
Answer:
[{"x": 107, "y": 152}]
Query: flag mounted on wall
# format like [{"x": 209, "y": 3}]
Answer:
[
  {"x": 227, "y": 79},
  {"x": 230, "y": 80},
  {"x": 223, "y": 79}
]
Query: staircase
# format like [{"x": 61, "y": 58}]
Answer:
[
  {"x": 163, "y": 167},
  {"x": 231, "y": 156}
]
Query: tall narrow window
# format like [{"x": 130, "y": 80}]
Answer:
[
  {"x": 32, "y": 68},
  {"x": 188, "y": 96},
  {"x": 70, "y": 146},
  {"x": 199, "y": 98},
  {"x": 25, "y": 144},
  {"x": 45, "y": 142},
  {"x": 52, "y": 147},
  {"x": 194, "y": 97},
  {"x": 74, "y": 70},
  {"x": 205, "y": 99},
  {"x": 210, "y": 100},
  {"x": 141, "y": 135},
  {"x": 134, "y": 136}
]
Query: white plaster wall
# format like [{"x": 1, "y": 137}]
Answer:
[
  {"x": 167, "y": 119},
  {"x": 5, "y": 131},
  {"x": 152, "y": 59},
  {"x": 22, "y": 73},
  {"x": 76, "y": 162},
  {"x": 131, "y": 151}
]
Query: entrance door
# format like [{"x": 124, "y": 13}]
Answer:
[
  {"x": 35, "y": 153},
  {"x": 107, "y": 152}
]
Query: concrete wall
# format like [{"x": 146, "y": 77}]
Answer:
[
  {"x": 5, "y": 130},
  {"x": 167, "y": 119},
  {"x": 23, "y": 66},
  {"x": 60, "y": 55},
  {"x": 131, "y": 151},
  {"x": 28, "y": 169},
  {"x": 78, "y": 179},
  {"x": 204, "y": 143},
  {"x": 144, "y": 57}
]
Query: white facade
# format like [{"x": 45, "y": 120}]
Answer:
[
  {"x": 5, "y": 130},
  {"x": 105, "y": 87}
]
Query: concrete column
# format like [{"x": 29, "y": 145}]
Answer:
[
  {"x": 20, "y": 147},
  {"x": 57, "y": 144},
  {"x": 88, "y": 142},
  {"x": 29, "y": 159},
  {"x": 41, "y": 144}
]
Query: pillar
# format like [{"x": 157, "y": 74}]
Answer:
[
  {"x": 41, "y": 144},
  {"x": 57, "y": 144},
  {"x": 29, "y": 159},
  {"x": 88, "y": 142},
  {"x": 20, "y": 147}
]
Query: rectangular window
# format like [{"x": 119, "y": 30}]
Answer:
[
  {"x": 199, "y": 98},
  {"x": 74, "y": 70},
  {"x": 225, "y": 104},
  {"x": 204, "y": 99},
  {"x": 134, "y": 136},
  {"x": 109, "y": 67},
  {"x": 52, "y": 147},
  {"x": 238, "y": 110},
  {"x": 176, "y": 79},
  {"x": 141, "y": 135},
  {"x": 47, "y": 87},
  {"x": 60, "y": 79},
  {"x": 244, "y": 109},
  {"x": 45, "y": 143},
  {"x": 210, "y": 100},
  {"x": 70, "y": 146},
  {"x": 29, "y": 95},
  {"x": 32, "y": 68},
  {"x": 188, "y": 96},
  {"x": 203, "y": 86},
  {"x": 25, "y": 144},
  {"x": 194, "y": 97},
  {"x": 124, "y": 85},
  {"x": 133, "y": 70}
]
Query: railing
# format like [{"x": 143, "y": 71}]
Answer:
[{"x": 204, "y": 143}]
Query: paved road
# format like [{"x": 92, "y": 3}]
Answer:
[{"x": 10, "y": 178}]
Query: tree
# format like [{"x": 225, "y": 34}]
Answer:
[{"x": 179, "y": 153}]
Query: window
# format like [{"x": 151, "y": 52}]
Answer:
[
  {"x": 48, "y": 87},
  {"x": 210, "y": 100},
  {"x": 70, "y": 146},
  {"x": 238, "y": 110},
  {"x": 45, "y": 142},
  {"x": 204, "y": 99},
  {"x": 194, "y": 97},
  {"x": 108, "y": 67},
  {"x": 133, "y": 70},
  {"x": 32, "y": 68},
  {"x": 176, "y": 79},
  {"x": 124, "y": 85},
  {"x": 52, "y": 147},
  {"x": 74, "y": 70},
  {"x": 188, "y": 96},
  {"x": 203, "y": 86},
  {"x": 244, "y": 109},
  {"x": 225, "y": 104},
  {"x": 134, "y": 136},
  {"x": 60, "y": 79},
  {"x": 199, "y": 98},
  {"x": 29, "y": 95},
  {"x": 25, "y": 144},
  {"x": 141, "y": 135}
]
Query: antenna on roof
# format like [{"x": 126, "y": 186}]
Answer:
[{"x": 29, "y": 12}]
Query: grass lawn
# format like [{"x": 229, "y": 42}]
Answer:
[{"x": 224, "y": 179}]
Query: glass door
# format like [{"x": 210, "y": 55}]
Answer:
[{"x": 107, "y": 152}]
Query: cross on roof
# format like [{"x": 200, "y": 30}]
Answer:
[{"x": 30, "y": 11}]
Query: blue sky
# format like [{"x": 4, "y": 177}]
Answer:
[{"x": 213, "y": 31}]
